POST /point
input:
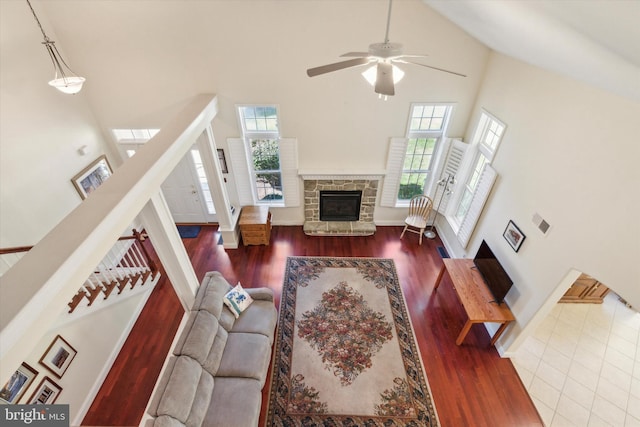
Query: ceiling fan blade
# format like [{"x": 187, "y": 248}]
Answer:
[
  {"x": 384, "y": 79},
  {"x": 412, "y": 56},
  {"x": 355, "y": 55},
  {"x": 312, "y": 72},
  {"x": 429, "y": 66}
]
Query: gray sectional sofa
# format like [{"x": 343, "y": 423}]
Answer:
[{"x": 219, "y": 364}]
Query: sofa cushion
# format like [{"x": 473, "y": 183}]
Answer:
[
  {"x": 212, "y": 362},
  {"x": 259, "y": 318},
  {"x": 211, "y": 292},
  {"x": 263, "y": 294},
  {"x": 166, "y": 421},
  {"x": 197, "y": 335},
  {"x": 246, "y": 356},
  {"x": 237, "y": 300},
  {"x": 235, "y": 403},
  {"x": 161, "y": 385},
  {"x": 227, "y": 320},
  {"x": 203, "y": 340},
  {"x": 187, "y": 394}
]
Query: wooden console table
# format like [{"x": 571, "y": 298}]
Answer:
[
  {"x": 255, "y": 225},
  {"x": 476, "y": 298}
]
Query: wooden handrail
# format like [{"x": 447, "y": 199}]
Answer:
[
  {"x": 136, "y": 235},
  {"x": 15, "y": 250}
]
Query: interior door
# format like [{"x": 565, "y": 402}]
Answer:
[{"x": 183, "y": 194}]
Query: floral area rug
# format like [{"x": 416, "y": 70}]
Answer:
[{"x": 345, "y": 353}]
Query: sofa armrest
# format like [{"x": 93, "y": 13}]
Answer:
[{"x": 263, "y": 294}]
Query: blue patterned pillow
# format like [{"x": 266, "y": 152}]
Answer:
[{"x": 237, "y": 299}]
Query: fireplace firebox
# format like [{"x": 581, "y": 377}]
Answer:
[{"x": 340, "y": 205}]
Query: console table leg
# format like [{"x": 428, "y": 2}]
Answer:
[
  {"x": 439, "y": 278},
  {"x": 464, "y": 332},
  {"x": 499, "y": 332}
]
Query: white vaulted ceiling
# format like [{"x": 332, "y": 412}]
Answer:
[
  {"x": 595, "y": 41},
  {"x": 143, "y": 54}
]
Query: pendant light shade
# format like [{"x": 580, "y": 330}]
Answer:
[{"x": 65, "y": 80}]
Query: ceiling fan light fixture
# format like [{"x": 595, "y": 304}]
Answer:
[
  {"x": 384, "y": 74},
  {"x": 371, "y": 74}
]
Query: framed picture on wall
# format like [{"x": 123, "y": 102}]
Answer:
[
  {"x": 58, "y": 356},
  {"x": 46, "y": 393},
  {"x": 514, "y": 236},
  {"x": 223, "y": 161},
  {"x": 91, "y": 177},
  {"x": 21, "y": 379}
]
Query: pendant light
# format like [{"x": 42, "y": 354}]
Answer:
[{"x": 64, "y": 79}]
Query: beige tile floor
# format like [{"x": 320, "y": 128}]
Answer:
[{"x": 582, "y": 365}]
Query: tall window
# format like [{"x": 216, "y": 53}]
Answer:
[
  {"x": 427, "y": 124},
  {"x": 486, "y": 138},
  {"x": 262, "y": 135}
]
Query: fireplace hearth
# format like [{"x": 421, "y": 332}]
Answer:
[{"x": 340, "y": 205}]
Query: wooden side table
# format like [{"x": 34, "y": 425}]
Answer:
[{"x": 255, "y": 225}]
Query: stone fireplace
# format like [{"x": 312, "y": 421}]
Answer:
[{"x": 338, "y": 186}]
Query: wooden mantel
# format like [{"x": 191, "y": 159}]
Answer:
[{"x": 338, "y": 174}]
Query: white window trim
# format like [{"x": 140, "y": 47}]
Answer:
[
  {"x": 447, "y": 162},
  {"x": 397, "y": 153},
  {"x": 253, "y": 173},
  {"x": 258, "y": 134},
  {"x": 242, "y": 164},
  {"x": 463, "y": 227}
]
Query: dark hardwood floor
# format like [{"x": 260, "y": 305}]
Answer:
[{"x": 471, "y": 384}]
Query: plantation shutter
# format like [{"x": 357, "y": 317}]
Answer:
[
  {"x": 241, "y": 173},
  {"x": 395, "y": 161},
  {"x": 448, "y": 163},
  {"x": 289, "y": 168},
  {"x": 478, "y": 200}
]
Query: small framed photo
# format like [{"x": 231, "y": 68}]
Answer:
[
  {"x": 46, "y": 393},
  {"x": 223, "y": 161},
  {"x": 514, "y": 236},
  {"x": 58, "y": 356},
  {"x": 17, "y": 384},
  {"x": 91, "y": 177}
]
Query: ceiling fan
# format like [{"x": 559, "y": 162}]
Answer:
[{"x": 384, "y": 74}]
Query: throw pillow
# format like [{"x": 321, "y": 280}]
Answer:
[{"x": 237, "y": 299}]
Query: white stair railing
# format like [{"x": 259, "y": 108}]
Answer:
[{"x": 126, "y": 265}]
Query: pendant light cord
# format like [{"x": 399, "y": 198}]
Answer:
[{"x": 46, "y": 39}]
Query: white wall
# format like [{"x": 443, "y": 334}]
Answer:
[
  {"x": 569, "y": 153},
  {"x": 97, "y": 338},
  {"x": 41, "y": 130}
]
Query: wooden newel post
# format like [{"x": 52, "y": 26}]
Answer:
[{"x": 141, "y": 237}]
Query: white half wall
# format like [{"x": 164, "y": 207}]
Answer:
[{"x": 97, "y": 337}]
